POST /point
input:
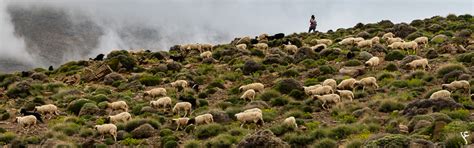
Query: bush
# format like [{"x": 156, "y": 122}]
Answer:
[
  {"x": 170, "y": 139},
  {"x": 192, "y": 144},
  {"x": 390, "y": 105},
  {"x": 89, "y": 109},
  {"x": 389, "y": 141},
  {"x": 341, "y": 131},
  {"x": 76, "y": 105},
  {"x": 391, "y": 67},
  {"x": 454, "y": 142},
  {"x": 123, "y": 58},
  {"x": 251, "y": 67},
  {"x": 318, "y": 133},
  {"x": 353, "y": 63},
  {"x": 67, "y": 128},
  {"x": 279, "y": 130},
  {"x": 209, "y": 130},
  {"x": 325, "y": 69},
  {"x": 297, "y": 139},
  {"x": 7, "y": 137},
  {"x": 223, "y": 140},
  {"x": 279, "y": 101},
  {"x": 399, "y": 83},
  {"x": 394, "y": 55},
  {"x": 171, "y": 144},
  {"x": 297, "y": 94},
  {"x": 326, "y": 143},
  {"x": 466, "y": 58},
  {"x": 131, "y": 125},
  {"x": 290, "y": 73},
  {"x": 149, "y": 80},
  {"x": 131, "y": 142},
  {"x": 269, "y": 95},
  {"x": 287, "y": 85},
  {"x": 443, "y": 70},
  {"x": 461, "y": 114},
  {"x": 354, "y": 144}
]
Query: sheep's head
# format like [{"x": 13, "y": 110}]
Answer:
[
  {"x": 96, "y": 127},
  {"x": 17, "y": 120},
  {"x": 241, "y": 88},
  {"x": 107, "y": 120},
  {"x": 22, "y": 110},
  {"x": 445, "y": 86}
]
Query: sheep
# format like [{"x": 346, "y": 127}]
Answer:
[
  {"x": 253, "y": 110},
  {"x": 261, "y": 46},
  {"x": 47, "y": 109},
  {"x": 365, "y": 43},
  {"x": 204, "y": 119},
  {"x": 327, "y": 99},
  {"x": 290, "y": 48},
  {"x": 206, "y": 54},
  {"x": 181, "y": 122},
  {"x": 118, "y": 105},
  {"x": 330, "y": 82},
  {"x": 368, "y": 81},
  {"x": 347, "y": 84},
  {"x": 26, "y": 121},
  {"x": 107, "y": 129},
  {"x": 324, "y": 41},
  {"x": 242, "y": 46},
  {"x": 375, "y": 40},
  {"x": 422, "y": 40},
  {"x": 258, "y": 87},
  {"x": 263, "y": 37},
  {"x": 245, "y": 39},
  {"x": 347, "y": 41},
  {"x": 462, "y": 84},
  {"x": 185, "y": 106},
  {"x": 396, "y": 45},
  {"x": 419, "y": 63},
  {"x": 179, "y": 83},
  {"x": 206, "y": 47},
  {"x": 122, "y": 117},
  {"x": 388, "y": 35},
  {"x": 357, "y": 40},
  {"x": 410, "y": 45},
  {"x": 307, "y": 89},
  {"x": 24, "y": 112},
  {"x": 290, "y": 121},
  {"x": 156, "y": 92},
  {"x": 319, "y": 47},
  {"x": 254, "y": 116},
  {"x": 164, "y": 101},
  {"x": 346, "y": 94},
  {"x": 373, "y": 62},
  {"x": 440, "y": 94},
  {"x": 249, "y": 94},
  {"x": 322, "y": 90},
  {"x": 393, "y": 40}
]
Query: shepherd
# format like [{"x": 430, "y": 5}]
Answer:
[{"x": 312, "y": 24}]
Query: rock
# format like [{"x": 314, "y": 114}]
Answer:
[
  {"x": 251, "y": 67},
  {"x": 285, "y": 86},
  {"x": 438, "y": 129},
  {"x": 220, "y": 116},
  {"x": 208, "y": 60},
  {"x": 421, "y": 143},
  {"x": 418, "y": 106},
  {"x": 352, "y": 71},
  {"x": 431, "y": 54},
  {"x": 304, "y": 53},
  {"x": 174, "y": 66},
  {"x": 112, "y": 77},
  {"x": 121, "y": 135},
  {"x": 421, "y": 124},
  {"x": 403, "y": 129},
  {"x": 262, "y": 139},
  {"x": 143, "y": 131},
  {"x": 440, "y": 38},
  {"x": 364, "y": 55}
]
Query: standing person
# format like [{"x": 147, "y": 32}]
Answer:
[{"x": 312, "y": 24}]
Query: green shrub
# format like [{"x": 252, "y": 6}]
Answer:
[
  {"x": 279, "y": 101},
  {"x": 86, "y": 132},
  {"x": 461, "y": 114},
  {"x": 123, "y": 58},
  {"x": 415, "y": 83},
  {"x": 297, "y": 139},
  {"x": 391, "y": 67},
  {"x": 325, "y": 69},
  {"x": 269, "y": 95},
  {"x": 76, "y": 105},
  {"x": 285, "y": 86},
  {"x": 279, "y": 130},
  {"x": 171, "y": 144},
  {"x": 131, "y": 142},
  {"x": 318, "y": 133},
  {"x": 399, "y": 84},
  {"x": 131, "y": 125},
  {"x": 149, "y": 80},
  {"x": 354, "y": 144},
  {"x": 67, "y": 128},
  {"x": 390, "y": 105},
  {"x": 223, "y": 140},
  {"x": 466, "y": 58},
  {"x": 290, "y": 73},
  {"x": 170, "y": 139},
  {"x": 454, "y": 141},
  {"x": 297, "y": 94},
  {"x": 341, "y": 131},
  {"x": 209, "y": 130},
  {"x": 394, "y": 55},
  {"x": 353, "y": 63},
  {"x": 192, "y": 144},
  {"x": 386, "y": 75},
  {"x": 310, "y": 63},
  {"x": 390, "y": 141},
  {"x": 33, "y": 140},
  {"x": 443, "y": 70},
  {"x": 326, "y": 143},
  {"x": 311, "y": 81},
  {"x": 7, "y": 137}
]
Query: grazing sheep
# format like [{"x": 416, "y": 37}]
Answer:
[
  {"x": 347, "y": 84},
  {"x": 206, "y": 54},
  {"x": 372, "y": 62},
  {"x": 388, "y": 35},
  {"x": 290, "y": 121},
  {"x": 263, "y": 36},
  {"x": 319, "y": 47},
  {"x": 261, "y": 46},
  {"x": 181, "y": 122},
  {"x": 375, "y": 40},
  {"x": 206, "y": 47},
  {"x": 357, "y": 40},
  {"x": 324, "y": 41},
  {"x": 249, "y": 94},
  {"x": 122, "y": 117},
  {"x": 462, "y": 84},
  {"x": 421, "y": 40},
  {"x": 396, "y": 45},
  {"x": 440, "y": 94},
  {"x": 367, "y": 82},
  {"x": 26, "y": 121},
  {"x": 347, "y": 41},
  {"x": 290, "y": 48},
  {"x": 346, "y": 94},
  {"x": 393, "y": 40},
  {"x": 253, "y": 110},
  {"x": 419, "y": 63},
  {"x": 185, "y": 106},
  {"x": 243, "y": 40},
  {"x": 410, "y": 45},
  {"x": 156, "y": 92},
  {"x": 255, "y": 86},
  {"x": 47, "y": 109},
  {"x": 307, "y": 89},
  {"x": 164, "y": 101},
  {"x": 118, "y": 105},
  {"x": 322, "y": 90},
  {"x": 107, "y": 129},
  {"x": 328, "y": 99},
  {"x": 330, "y": 82},
  {"x": 242, "y": 46},
  {"x": 365, "y": 43},
  {"x": 245, "y": 117},
  {"x": 204, "y": 119},
  {"x": 24, "y": 112},
  {"x": 180, "y": 83}
]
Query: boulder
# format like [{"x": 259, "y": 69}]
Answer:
[
  {"x": 143, "y": 131},
  {"x": 112, "y": 77},
  {"x": 262, "y": 139},
  {"x": 422, "y": 105}
]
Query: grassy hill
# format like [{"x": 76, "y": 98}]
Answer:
[{"x": 376, "y": 117}]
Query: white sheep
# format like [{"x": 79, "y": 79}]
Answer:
[
  {"x": 180, "y": 83},
  {"x": 261, "y": 46},
  {"x": 156, "y": 92},
  {"x": 185, "y": 106},
  {"x": 118, "y": 105},
  {"x": 365, "y": 43},
  {"x": 47, "y": 109},
  {"x": 410, "y": 45},
  {"x": 245, "y": 39},
  {"x": 245, "y": 117},
  {"x": 206, "y": 47},
  {"x": 206, "y": 54},
  {"x": 290, "y": 121},
  {"x": 462, "y": 84},
  {"x": 419, "y": 63},
  {"x": 440, "y": 94},
  {"x": 373, "y": 62},
  {"x": 253, "y": 110},
  {"x": 422, "y": 40},
  {"x": 324, "y": 46},
  {"x": 388, "y": 35},
  {"x": 107, "y": 129},
  {"x": 262, "y": 37},
  {"x": 328, "y": 99},
  {"x": 258, "y": 87},
  {"x": 181, "y": 122},
  {"x": 26, "y": 121},
  {"x": 204, "y": 119},
  {"x": 393, "y": 40},
  {"x": 324, "y": 41},
  {"x": 322, "y": 90},
  {"x": 357, "y": 40},
  {"x": 347, "y": 84},
  {"x": 347, "y": 41},
  {"x": 163, "y": 101},
  {"x": 122, "y": 117},
  {"x": 330, "y": 82},
  {"x": 290, "y": 48},
  {"x": 242, "y": 46},
  {"x": 368, "y": 82},
  {"x": 375, "y": 40},
  {"x": 249, "y": 94},
  {"x": 346, "y": 94},
  {"x": 307, "y": 89},
  {"x": 396, "y": 45}
]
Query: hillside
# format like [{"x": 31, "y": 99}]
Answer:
[{"x": 398, "y": 113}]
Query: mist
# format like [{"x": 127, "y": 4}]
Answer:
[{"x": 90, "y": 27}]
